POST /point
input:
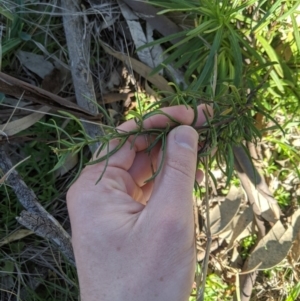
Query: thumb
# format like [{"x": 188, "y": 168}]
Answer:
[{"x": 173, "y": 187}]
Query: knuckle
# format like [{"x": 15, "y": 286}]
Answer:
[{"x": 182, "y": 165}]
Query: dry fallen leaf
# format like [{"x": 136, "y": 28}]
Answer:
[
  {"x": 161, "y": 23},
  {"x": 140, "y": 39},
  {"x": 160, "y": 82},
  {"x": 222, "y": 215},
  {"x": 114, "y": 97},
  {"x": 35, "y": 63},
  {"x": 54, "y": 81},
  {"x": 70, "y": 162},
  {"x": 272, "y": 248},
  {"x": 239, "y": 228},
  {"x": 257, "y": 191},
  {"x": 17, "y": 88},
  {"x": 295, "y": 252},
  {"x": 23, "y": 123},
  {"x": 16, "y": 235}
]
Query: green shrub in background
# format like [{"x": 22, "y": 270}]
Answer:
[{"x": 242, "y": 57}]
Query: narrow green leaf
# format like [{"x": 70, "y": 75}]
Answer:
[
  {"x": 243, "y": 6},
  {"x": 271, "y": 54},
  {"x": 72, "y": 117},
  {"x": 198, "y": 61},
  {"x": 190, "y": 55},
  {"x": 183, "y": 51},
  {"x": 209, "y": 12},
  {"x": 109, "y": 153},
  {"x": 160, "y": 112},
  {"x": 57, "y": 128},
  {"x": 213, "y": 29},
  {"x": 266, "y": 19},
  {"x": 201, "y": 28},
  {"x": 61, "y": 161},
  {"x": 267, "y": 115},
  {"x": 163, "y": 150},
  {"x": 296, "y": 32},
  {"x": 208, "y": 68},
  {"x": 168, "y": 38},
  {"x": 294, "y": 8},
  {"x": 179, "y": 51},
  {"x": 277, "y": 81},
  {"x": 245, "y": 43},
  {"x": 101, "y": 147},
  {"x": 230, "y": 164},
  {"x": 237, "y": 57}
]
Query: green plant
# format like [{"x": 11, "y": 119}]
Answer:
[
  {"x": 227, "y": 35},
  {"x": 216, "y": 288},
  {"x": 294, "y": 293},
  {"x": 282, "y": 196},
  {"x": 246, "y": 244},
  {"x": 218, "y": 48},
  {"x": 241, "y": 57},
  {"x": 21, "y": 262},
  {"x": 143, "y": 105}
]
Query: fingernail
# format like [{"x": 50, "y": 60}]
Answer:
[{"x": 187, "y": 137}]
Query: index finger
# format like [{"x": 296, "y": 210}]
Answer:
[{"x": 182, "y": 114}]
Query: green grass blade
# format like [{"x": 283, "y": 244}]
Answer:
[
  {"x": 7, "y": 14},
  {"x": 10, "y": 45},
  {"x": 294, "y": 294}
]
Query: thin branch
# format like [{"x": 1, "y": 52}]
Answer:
[
  {"x": 200, "y": 293},
  {"x": 36, "y": 218}
]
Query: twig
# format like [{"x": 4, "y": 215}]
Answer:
[
  {"x": 200, "y": 293},
  {"x": 20, "y": 89},
  {"x": 78, "y": 42},
  {"x": 36, "y": 218}
]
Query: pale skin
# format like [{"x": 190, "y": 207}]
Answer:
[{"x": 135, "y": 241}]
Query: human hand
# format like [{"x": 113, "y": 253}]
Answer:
[{"x": 135, "y": 241}]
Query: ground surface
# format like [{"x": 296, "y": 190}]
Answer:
[{"x": 35, "y": 52}]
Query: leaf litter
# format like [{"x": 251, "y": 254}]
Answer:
[{"x": 231, "y": 216}]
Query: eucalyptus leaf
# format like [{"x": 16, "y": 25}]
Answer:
[{"x": 272, "y": 248}]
